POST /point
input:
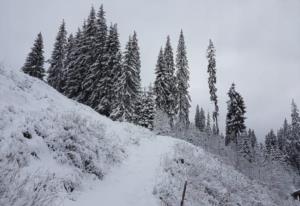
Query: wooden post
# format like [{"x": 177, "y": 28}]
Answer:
[{"x": 183, "y": 193}]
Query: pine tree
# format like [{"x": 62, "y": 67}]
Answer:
[
  {"x": 170, "y": 81},
  {"x": 67, "y": 60},
  {"x": 146, "y": 117},
  {"x": 73, "y": 75},
  {"x": 202, "y": 120},
  {"x": 282, "y": 136},
  {"x": 271, "y": 142},
  {"x": 56, "y": 69},
  {"x": 129, "y": 86},
  {"x": 89, "y": 55},
  {"x": 212, "y": 80},
  {"x": 182, "y": 75},
  {"x": 235, "y": 119},
  {"x": 99, "y": 80},
  {"x": 160, "y": 86},
  {"x": 197, "y": 118},
  {"x": 245, "y": 147},
  {"x": 34, "y": 65},
  {"x": 208, "y": 129},
  {"x": 105, "y": 97},
  {"x": 293, "y": 146}
]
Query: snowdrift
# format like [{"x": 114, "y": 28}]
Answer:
[
  {"x": 55, "y": 151},
  {"x": 51, "y": 145}
]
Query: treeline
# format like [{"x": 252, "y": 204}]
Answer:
[{"x": 91, "y": 68}]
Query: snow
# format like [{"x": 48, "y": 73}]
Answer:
[
  {"x": 133, "y": 182},
  {"x": 55, "y": 151}
]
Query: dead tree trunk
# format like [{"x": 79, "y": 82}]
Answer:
[{"x": 183, "y": 193}]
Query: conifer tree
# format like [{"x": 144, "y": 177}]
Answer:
[
  {"x": 34, "y": 65},
  {"x": 235, "y": 119},
  {"x": 197, "y": 118},
  {"x": 56, "y": 69},
  {"x": 129, "y": 86},
  {"x": 73, "y": 76},
  {"x": 208, "y": 129},
  {"x": 67, "y": 60},
  {"x": 106, "y": 89},
  {"x": 202, "y": 120},
  {"x": 212, "y": 80},
  {"x": 160, "y": 86},
  {"x": 182, "y": 79},
  {"x": 147, "y": 112},
  {"x": 170, "y": 79},
  {"x": 271, "y": 142},
  {"x": 87, "y": 58}
]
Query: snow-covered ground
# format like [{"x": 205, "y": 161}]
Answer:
[
  {"x": 54, "y": 151},
  {"x": 131, "y": 183}
]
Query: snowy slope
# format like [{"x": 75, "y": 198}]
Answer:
[{"x": 54, "y": 151}]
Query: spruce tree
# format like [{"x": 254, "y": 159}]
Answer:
[
  {"x": 67, "y": 60},
  {"x": 197, "y": 118},
  {"x": 202, "y": 120},
  {"x": 271, "y": 142},
  {"x": 208, "y": 129},
  {"x": 235, "y": 119},
  {"x": 212, "y": 80},
  {"x": 182, "y": 79},
  {"x": 146, "y": 116},
  {"x": 160, "y": 86},
  {"x": 73, "y": 75},
  {"x": 129, "y": 86},
  {"x": 56, "y": 69},
  {"x": 106, "y": 89},
  {"x": 170, "y": 81},
  {"x": 34, "y": 65},
  {"x": 88, "y": 58}
]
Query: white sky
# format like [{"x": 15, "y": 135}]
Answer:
[{"x": 257, "y": 42}]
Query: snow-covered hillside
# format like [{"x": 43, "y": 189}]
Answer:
[{"x": 54, "y": 151}]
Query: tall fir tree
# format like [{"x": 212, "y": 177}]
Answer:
[
  {"x": 212, "y": 80},
  {"x": 147, "y": 112},
  {"x": 57, "y": 66},
  {"x": 109, "y": 79},
  {"x": 208, "y": 128},
  {"x": 170, "y": 79},
  {"x": 34, "y": 64},
  {"x": 88, "y": 57},
  {"x": 160, "y": 85},
  {"x": 129, "y": 86},
  {"x": 182, "y": 79},
  {"x": 271, "y": 142},
  {"x": 235, "y": 119},
  {"x": 197, "y": 118},
  {"x": 73, "y": 72},
  {"x": 202, "y": 120},
  {"x": 98, "y": 81}
]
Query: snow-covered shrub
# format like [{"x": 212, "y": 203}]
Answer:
[{"x": 209, "y": 182}]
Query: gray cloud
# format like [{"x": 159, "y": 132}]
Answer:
[{"x": 257, "y": 44}]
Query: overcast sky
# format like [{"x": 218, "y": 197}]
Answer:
[{"x": 257, "y": 43}]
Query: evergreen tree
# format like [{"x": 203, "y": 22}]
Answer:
[
  {"x": 160, "y": 86},
  {"x": 129, "y": 86},
  {"x": 147, "y": 112},
  {"x": 56, "y": 69},
  {"x": 245, "y": 147},
  {"x": 67, "y": 60},
  {"x": 34, "y": 65},
  {"x": 282, "y": 136},
  {"x": 212, "y": 80},
  {"x": 170, "y": 81},
  {"x": 293, "y": 146},
  {"x": 202, "y": 120},
  {"x": 208, "y": 129},
  {"x": 235, "y": 119},
  {"x": 197, "y": 118},
  {"x": 87, "y": 59},
  {"x": 73, "y": 76},
  {"x": 105, "y": 93},
  {"x": 182, "y": 76},
  {"x": 271, "y": 144}
]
